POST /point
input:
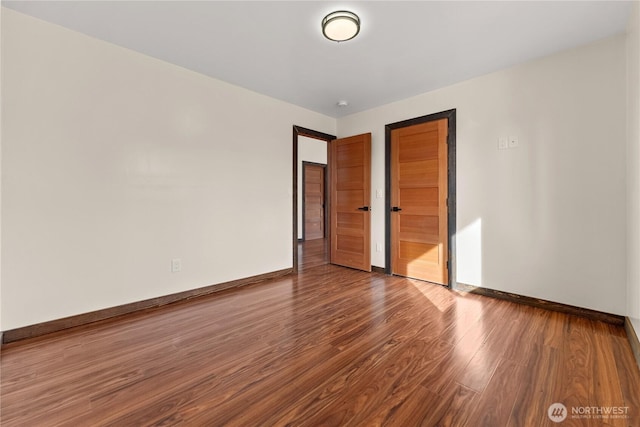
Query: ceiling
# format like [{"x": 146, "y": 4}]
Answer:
[{"x": 277, "y": 48}]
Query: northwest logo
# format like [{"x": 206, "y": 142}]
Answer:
[{"x": 557, "y": 412}]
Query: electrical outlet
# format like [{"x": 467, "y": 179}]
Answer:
[
  {"x": 176, "y": 265},
  {"x": 513, "y": 142}
]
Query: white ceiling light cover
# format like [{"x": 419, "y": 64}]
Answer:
[{"x": 341, "y": 26}]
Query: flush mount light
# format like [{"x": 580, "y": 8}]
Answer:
[{"x": 341, "y": 26}]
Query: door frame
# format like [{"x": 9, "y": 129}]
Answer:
[
  {"x": 324, "y": 198},
  {"x": 301, "y": 131},
  {"x": 450, "y": 115}
]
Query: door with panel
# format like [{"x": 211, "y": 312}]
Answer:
[
  {"x": 419, "y": 233},
  {"x": 313, "y": 199},
  {"x": 350, "y": 168}
]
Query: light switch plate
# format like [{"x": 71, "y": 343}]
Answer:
[
  {"x": 379, "y": 193},
  {"x": 503, "y": 143},
  {"x": 513, "y": 142}
]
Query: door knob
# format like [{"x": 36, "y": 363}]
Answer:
[
  {"x": 395, "y": 209},
  {"x": 364, "y": 208}
]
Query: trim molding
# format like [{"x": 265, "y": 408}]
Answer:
[
  {"x": 297, "y": 131},
  {"x": 614, "y": 319},
  {"x": 51, "y": 326},
  {"x": 633, "y": 339}
]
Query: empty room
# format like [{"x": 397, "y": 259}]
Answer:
[{"x": 319, "y": 213}]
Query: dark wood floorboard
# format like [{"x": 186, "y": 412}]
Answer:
[
  {"x": 331, "y": 346},
  {"x": 312, "y": 253}
]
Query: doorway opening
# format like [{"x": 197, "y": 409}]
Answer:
[
  {"x": 420, "y": 201},
  {"x": 310, "y": 147}
]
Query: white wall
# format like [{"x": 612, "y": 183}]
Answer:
[
  {"x": 633, "y": 168},
  {"x": 546, "y": 219},
  {"x": 1, "y": 9},
  {"x": 114, "y": 163},
  {"x": 309, "y": 150}
]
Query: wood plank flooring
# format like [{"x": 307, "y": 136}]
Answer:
[
  {"x": 312, "y": 253},
  {"x": 328, "y": 347}
]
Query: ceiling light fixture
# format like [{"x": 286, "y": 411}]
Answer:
[{"x": 341, "y": 26}]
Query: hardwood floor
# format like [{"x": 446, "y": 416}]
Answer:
[
  {"x": 312, "y": 253},
  {"x": 330, "y": 346}
]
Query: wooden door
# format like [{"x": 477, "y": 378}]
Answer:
[
  {"x": 313, "y": 178},
  {"x": 350, "y": 168},
  {"x": 419, "y": 233}
]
